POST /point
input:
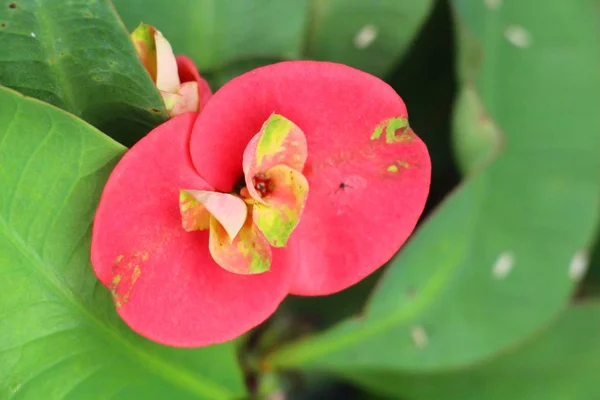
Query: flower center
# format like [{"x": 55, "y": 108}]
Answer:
[
  {"x": 265, "y": 206},
  {"x": 263, "y": 184}
]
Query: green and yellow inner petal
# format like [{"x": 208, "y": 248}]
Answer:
[
  {"x": 280, "y": 213},
  {"x": 194, "y": 216},
  {"x": 145, "y": 47},
  {"x": 229, "y": 210},
  {"x": 158, "y": 58},
  {"x": 248, "y": 253},
  {"x": 279, "y": 142}
]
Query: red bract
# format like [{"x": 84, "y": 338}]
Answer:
[
  {"x": 368, "y": 177},
  {"x": 189, "y": 73}
]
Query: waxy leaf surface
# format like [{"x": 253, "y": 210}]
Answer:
[
  {"x": 77, "y": 55},
  {"x": 60, "y": 337}
]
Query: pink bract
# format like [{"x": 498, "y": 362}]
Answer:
[
  {"x": 368, "y": 175},
  {"x": 189, "y": 73}
]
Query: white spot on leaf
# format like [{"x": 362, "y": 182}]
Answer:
[
  {"x": 365, "y": 36},
  {"x": 503, "y": 265},
  {"x": 493, "y": 4},
  {"x": 518, "y": 36},
  {"x": 32, "y": 34},
  {"x": 419, "y": 336},
  {"x": 578, "y": 265}
]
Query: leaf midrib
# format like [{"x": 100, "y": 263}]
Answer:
[{"x": 177, "y": 375}]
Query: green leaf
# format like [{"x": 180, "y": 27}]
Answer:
[
  {"x": 369, "y": 35},
  {"x": 59, "y": 334},
  {"x": 476, "y": 139},
  {"x": 319, "y": 312},
  {"x": 221, "y": 76},
  {"x": 76, "y": 55},
  {"x": 502, "y": 255},
  {"x": 215, "y": 33},
  {"x": 562, "y": 363}
]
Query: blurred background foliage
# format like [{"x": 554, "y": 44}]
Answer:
[{"x": 496, "y": 294}]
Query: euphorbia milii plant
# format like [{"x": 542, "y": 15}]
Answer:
[
  {"x": 176, "y": 77},
  {"x": 300, "y": 177}
]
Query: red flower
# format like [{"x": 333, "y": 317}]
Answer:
[{"x": 366, "y": 177}]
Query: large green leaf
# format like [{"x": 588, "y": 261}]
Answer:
[
  {"x": 560, "y": 364},
  {"x": 369, "y": 35},
  {"x": 217, "y": 32},
  {"x": 76, "y": 55},
  {"x": 501, "y": 256},
  {"x": 59, "y": 334}
]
